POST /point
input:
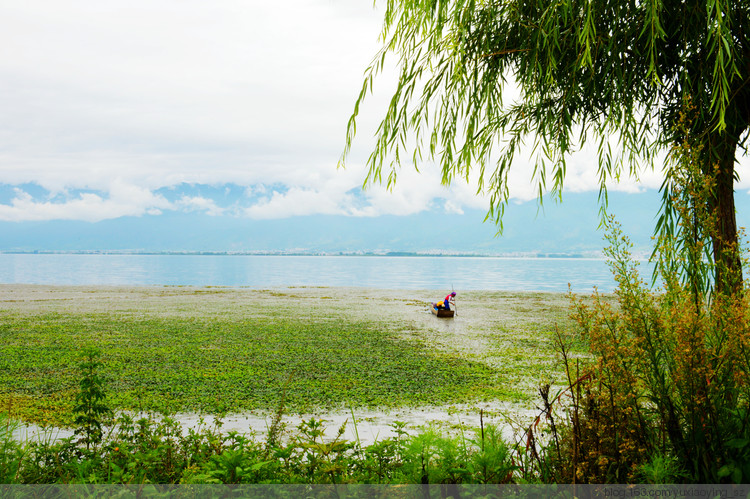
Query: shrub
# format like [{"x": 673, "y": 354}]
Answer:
[
  {"x": 665, "y": 394},
  {"x": 90, "y": 403}
]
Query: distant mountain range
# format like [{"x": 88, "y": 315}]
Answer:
[{"x": 566, "y": 229}]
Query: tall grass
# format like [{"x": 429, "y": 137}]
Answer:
[{"x": 11, "y": 451}]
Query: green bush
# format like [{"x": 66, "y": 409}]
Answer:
[
  {"x": 664, "y": 396},
  {"x": 90, "y": 405}
]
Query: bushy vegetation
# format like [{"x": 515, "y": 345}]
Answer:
[
  {"x": 665, "y": 395},
  {"x": 119, "y": 449}
]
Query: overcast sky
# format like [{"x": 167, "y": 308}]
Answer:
[{"x": 111, "y": 108}]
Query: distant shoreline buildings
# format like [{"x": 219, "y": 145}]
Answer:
[{"x": 594, "y": 255}]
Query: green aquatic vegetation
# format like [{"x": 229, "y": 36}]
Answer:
[
  {"x": 528, "y": 359},
  {"x": 222, "y": 364}
]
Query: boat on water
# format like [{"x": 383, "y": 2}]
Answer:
[{"x": 441, "y": 312}]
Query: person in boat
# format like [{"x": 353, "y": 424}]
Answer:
[{"x": 446, "y": 303}]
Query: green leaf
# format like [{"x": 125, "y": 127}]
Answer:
[
  {"x": 738, "y": 443},
  {"x": 726, "y": 470}
]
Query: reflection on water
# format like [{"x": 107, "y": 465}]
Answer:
[{"x": 387, "y": 272}]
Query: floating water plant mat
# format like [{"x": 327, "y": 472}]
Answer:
[{"x": 216, "y": 350}]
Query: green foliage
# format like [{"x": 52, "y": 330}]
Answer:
[
  {"x": 666, "y": 395},
  {"x": 11, "y": 452},
  {"x": 493, "y": 463},
  {"x": 381, "y": 462},
  {"x": 659, "y": 470},
  {"x": 157, "y": 451},
  {"x": 612, "y": 72},
  {"x": 90, "y": 404},
  {"x": 683, "y": 251},
  {"x": 239, "y": 461},
  {"x": 323, "y": 462}
]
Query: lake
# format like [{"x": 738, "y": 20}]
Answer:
[{"x": 259, "y": 271}]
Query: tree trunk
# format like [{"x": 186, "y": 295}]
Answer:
[{"x": 725, "y": 238}]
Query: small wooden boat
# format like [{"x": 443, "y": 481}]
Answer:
[{"x": 441, "y": 312}]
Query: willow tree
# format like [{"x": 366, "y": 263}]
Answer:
[{"x": 617, "y": 73}]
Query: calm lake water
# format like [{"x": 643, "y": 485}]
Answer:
[{"x": 388, "y": 272}]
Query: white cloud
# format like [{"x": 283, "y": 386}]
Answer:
[
  {"x": 162, "y": 92},
  {"x": 295, "y": 202},
  {"x": 197, "y": 203},
  {"x": 124, "y": 200},
  {"x": 125, "y": 97}
]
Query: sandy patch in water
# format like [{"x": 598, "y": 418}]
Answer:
[{"x": 367, "y": 427}]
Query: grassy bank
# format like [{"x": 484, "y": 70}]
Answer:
[{"x": 215, "y": 350}]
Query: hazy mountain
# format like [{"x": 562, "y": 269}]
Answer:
[{"x": 566, "y": 228}]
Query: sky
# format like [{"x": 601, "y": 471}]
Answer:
[{"x": 224, "y": 110}]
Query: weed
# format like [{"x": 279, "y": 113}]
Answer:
[
  {"x": 11, "y": 452},
  {"x": 90, "y": 402}
]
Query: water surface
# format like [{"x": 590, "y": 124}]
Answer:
[{"x": 387, "y": 272}]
